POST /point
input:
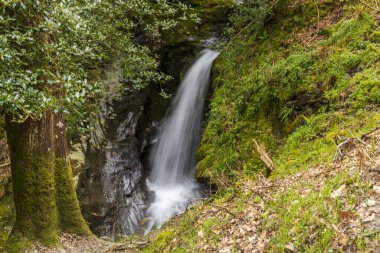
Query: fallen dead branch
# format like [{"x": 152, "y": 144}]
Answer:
[
  {"x": 258, "y": 193},
  {"x": 339, "y": 149},
  {"x": 224, "y": 208},
  {"x": 264, "y": 156}
]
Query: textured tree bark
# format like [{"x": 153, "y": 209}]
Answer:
[
  {"x": 69, "y": 214},
  {"x": 44, "y": 194}
]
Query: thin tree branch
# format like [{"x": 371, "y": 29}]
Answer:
[
  {"x": 224, "y": 208},
  {"x": 5, "y": 165}
]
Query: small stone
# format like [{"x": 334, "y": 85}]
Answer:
[
  {"x": 371, "y": 202},
  {"x": 338, "y": 192},
  {"x": 105, "y": 238},
  {"x": 369, "y": 218},
  {"x": 376, "y": 189},
  {"x": 289, "y": 247}
]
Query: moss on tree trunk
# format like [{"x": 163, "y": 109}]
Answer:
[{"x": 44, "y": 194}]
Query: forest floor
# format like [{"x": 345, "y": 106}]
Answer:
[
  {"x": 326, "y": 208},
  {"x": 334, "y": 206}
]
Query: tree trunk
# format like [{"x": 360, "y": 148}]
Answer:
[{"x": 44, "y": 194}]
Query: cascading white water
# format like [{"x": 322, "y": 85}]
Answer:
[{"x": 172, "y": 160}]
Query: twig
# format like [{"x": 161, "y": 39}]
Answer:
[
  {"x": 365, "y": 152},
  {"x": 319, "y": 25},
  {"x": 255, "y": 192},
  {"x": 223, "y": 208},
  {"x": 369, "y": 6},
  {"x": 328, "y": 225},
  {"x": 5, "y": 165},
  {"x": 339, "y": 153}
]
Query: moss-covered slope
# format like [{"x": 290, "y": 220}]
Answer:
[
  {"x": 309, "y": 79},
  {"x": 302, "y": 84},
  {"x": 327, "y": 208}
]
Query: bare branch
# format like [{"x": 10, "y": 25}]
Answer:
[{"x": 264, "y": 156}]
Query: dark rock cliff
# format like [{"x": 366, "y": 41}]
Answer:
[{"x": 111, "y": 187}]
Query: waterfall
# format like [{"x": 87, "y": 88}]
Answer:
[{"x": 172, "y": 159}]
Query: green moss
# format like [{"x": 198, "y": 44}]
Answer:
[
  {"x": 182, "y": 234},
  {"x": 7, "y": 218},
  {"x": 36, "y": 217},
  {"x": 352, "y": 33},
  {"x": 70, "y": 218},
  {"x": 212, "y": 10},
  {"x": 292, "y": 97},
  {"x": 375, "y": 36},
  {"x": 161, "y": 241},
  {"x": 314, "y": 143},
  {"x": 45, "y": 203},
  {"x": 43, "y": 190},
  {"x": 18, "y": 243},
  {"x": 33, "y": 189}
]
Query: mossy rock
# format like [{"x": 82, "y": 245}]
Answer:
[{"x": 213, "y": 17}]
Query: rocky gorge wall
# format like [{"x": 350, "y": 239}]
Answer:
[{"x": 111, "y": 187}]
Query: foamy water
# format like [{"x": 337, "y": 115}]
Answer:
[{"x": 170, "y": 200}]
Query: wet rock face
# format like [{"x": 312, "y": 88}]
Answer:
[{"x": 111, "y": 186}]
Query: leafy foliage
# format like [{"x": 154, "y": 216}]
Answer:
[
  {"x": 52, "y": 53},
  {"x": 249, "y": 16}
]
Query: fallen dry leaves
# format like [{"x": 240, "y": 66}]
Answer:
[
  {"x": 76, "y": 244},
  {"x": 312, "y": 34},
  {"x": 242, "y": 231}
]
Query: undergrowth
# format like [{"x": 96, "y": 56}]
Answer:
[
  {"x": 303, "y": 82},
  {"x": 309, "y": 79},
  {"x": 307, "y": 222},
  {"x": 300, "y": 79},
  {"x": 304, "y": 216}
]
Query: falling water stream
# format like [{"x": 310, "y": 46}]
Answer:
[{"x": 172, "y": 159}]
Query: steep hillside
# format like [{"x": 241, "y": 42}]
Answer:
[
  {"x": 304, "y": 82},
  {"x": 326, "y": 208}
]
